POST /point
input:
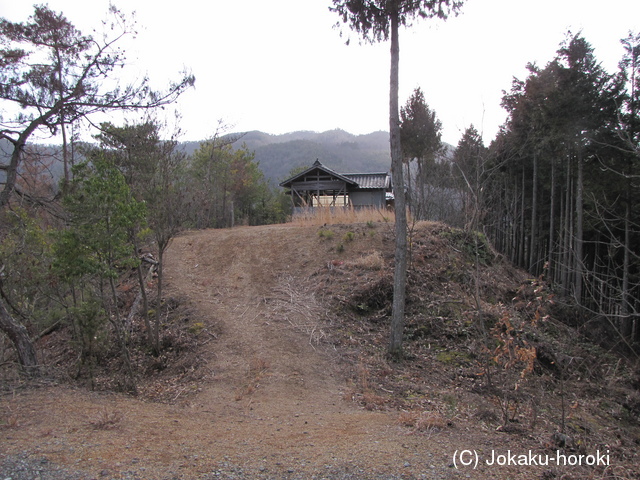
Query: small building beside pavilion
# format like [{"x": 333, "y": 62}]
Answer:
[{"x": 319, "y": 186}]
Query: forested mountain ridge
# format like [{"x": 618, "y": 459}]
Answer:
[{"x": 277, "y": 155}]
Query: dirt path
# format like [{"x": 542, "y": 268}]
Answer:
[
  {"x": 274, "y": 405},
  {"x": 234, "y": 276},
  {"x": 273, "y": 401}
]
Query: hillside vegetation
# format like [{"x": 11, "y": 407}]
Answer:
[
  {"x": 277, "y": 155},
  {"x": 274, "y": 367},
  {"x": 139, "y": 343}
]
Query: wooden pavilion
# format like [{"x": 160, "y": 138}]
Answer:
[{"x": 319, "y": 186}]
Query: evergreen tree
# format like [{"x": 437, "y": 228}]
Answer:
[
  {"x": 421, "y": 140},
  {"x": 469, "y": 159},
  {"x": 53, "y": 75},
  {"x": 97, "y": 245},
  {"x": 228, "y": 186},
  {"x": 563, "y": 209},
  {"x": 154, "y": 170},
  {"x": 376, "y": 21}
]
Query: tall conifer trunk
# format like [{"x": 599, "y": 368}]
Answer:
[
  {"x": 534, "y": 216},
  {"x": 523, "y": 235},
  {"x": 552, "y": 208},
  {"x": 379, "y": 20},
  {"x": 579, "y": 260},
  {"x": 400, "y": 269}
]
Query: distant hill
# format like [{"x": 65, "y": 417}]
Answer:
[
  {"x": 277, "y": 155},
  {"x": 337, "y": 149}
]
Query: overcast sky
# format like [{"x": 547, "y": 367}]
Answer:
[{"x": 280, "y": 66}]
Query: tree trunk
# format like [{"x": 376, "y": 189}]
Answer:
[
  {"x": 142, "y": 295},
  {"x": 18, "y": 146},
  {"x": 156, "y": 329},
  {"x": 633, "y": 128},
  {"x": 513, "y": 227},
  {"x": 18, "y": 335},
  {"x": 400, "y": 269},
  {"x": 533, "y": 260},
  {"x": 142, "y": 281},
  {"x": 422, "y": 209},
  {"x": 579, "y": 260},
  {"x": 624, "y": 307},
  {"x": 567, "y": 229},
  {"x": 65, "y": 158},
  {"x": 11, "y": 174},
  {"x": 116, "y": 321},
  {"x": 552, "y": 208},
  {"x": 523, "y": 236},
  {"x": 410, "y": 190}
]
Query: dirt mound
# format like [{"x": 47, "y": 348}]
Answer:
[{"x": 288, "y": 377}]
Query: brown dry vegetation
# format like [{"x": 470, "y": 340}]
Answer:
[{"x": 274, "y": 367}]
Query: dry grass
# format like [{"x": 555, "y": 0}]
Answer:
[
  {"x": 10, "y": 421},
  {"x": 362, "y": 392},
  {"x": 372, "y": 401},
  {"x": 328, "y": 216},
  {"x": 422, "y": 421},
  {"x": 258, "y": 366},
  {"x": 258, "y": 369},
  {"x": 107, "y": 420},
  {"x": 372, "y": 261},
  {"x": 407, "y": 419}
]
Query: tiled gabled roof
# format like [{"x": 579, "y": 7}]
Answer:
[
  {"x": 370, "y": 180},
  {"x": 378, "y": 181}
]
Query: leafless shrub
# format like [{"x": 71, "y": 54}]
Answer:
[
  {"x": 294, "y": 302},
  {"x": 107, "y": 420},
  {"x": 372, "y": 401},
  {"x": 422, "y": 421},
  {"x": 407, "y": 419},
  {"x": 429, "y": 421},
  {"x": 258, "y": 368}
]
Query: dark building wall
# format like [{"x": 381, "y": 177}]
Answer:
[{"x": 367, "y": 199}]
